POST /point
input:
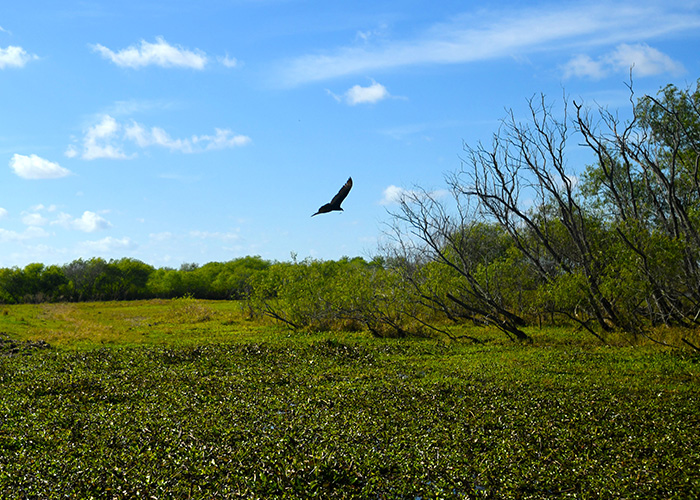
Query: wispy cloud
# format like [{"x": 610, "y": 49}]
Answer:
[
  {"x": 641, "y": 58},
  {"x": 216, "y": 235},
  {"x": 160, "y": 53},
  {"x": 109, "y": 139},
  {"x": 31, "y": 232},
  {"x": 134, "y": 106},
  {"x": 107, "y": 245},
  {"x": 41, "y": 206},
  {"x": 156, "y": 136},
  {"x": 14, "y": 57},
  {"x": 33, "y": 219},
  {"x": 421, "y": 130},
  {"x": 495, "y": 34},
  {"x": 229, "y": 62},
  {"x": 35, "y": 167}
]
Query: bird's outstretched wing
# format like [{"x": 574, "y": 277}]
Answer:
[
  {"x": 337, "y": 199},
  {"x": 342, "y": 194}
]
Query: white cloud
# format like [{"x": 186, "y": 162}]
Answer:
[
  {"x": 40, "y": 207},
  {"x": 491, "y": 34},
  {"x": 215, "y": 235},
  {"x": 34, "y": 219},
  {"x": 156, "y": 136},
  {"x": 99, "y": 141},
  {"x": 645, "y": 60},
  {"x": 583, "y": 66},
  {"x": 222, "y": 139},
  {"x": 13, "y": 56},
  {"x": 162, "y": 236},
  {"x": 370, "y": 94},
  {"x": 107, "y": 245},
  {"x": 358, "y": 94},
  {"x": 393, "y": 194},
  {"x": 71, "y": 151},
  {"x": 108, "y": 139},
  {"x": 129, "y": 107},
  {"x": 641, "y": 58},
  {"x": 229, "y": 62},
  {"x": 368, "y": 35},
  {"x": 35, "y": 167},
  {"x": 160, "y": 54},
  {"x": 89, "y": 222},
  {"x": 30, "y": 233}
]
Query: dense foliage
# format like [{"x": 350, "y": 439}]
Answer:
[
  {"x": 126, "y": 279},
  {"x": 314, "y": 417}
]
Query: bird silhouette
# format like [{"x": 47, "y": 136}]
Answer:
[{"x": 337, "y": 199}]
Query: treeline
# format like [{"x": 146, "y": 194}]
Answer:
[
  {"x": 126, "y": 279},
  {"x": 520, "y": 239}
]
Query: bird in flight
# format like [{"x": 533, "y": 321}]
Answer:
[{"x": 337, "y": 199}]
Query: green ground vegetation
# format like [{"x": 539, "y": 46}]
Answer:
[{"x": 192, "y": 399}]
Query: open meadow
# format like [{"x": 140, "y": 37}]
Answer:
[{"x": 190, "y": 399}]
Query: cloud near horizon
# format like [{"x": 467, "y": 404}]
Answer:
[{"x": 106, "y": 245}]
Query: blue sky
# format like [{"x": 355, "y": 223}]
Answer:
[{"x": 179, "y": 131}]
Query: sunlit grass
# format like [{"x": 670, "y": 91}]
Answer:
[{"x": 171, "y": 322}]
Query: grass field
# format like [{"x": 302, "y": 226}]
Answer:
[{"x": 188, "y": 399}]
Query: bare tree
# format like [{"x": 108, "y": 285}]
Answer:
[
  {"x": 424, "y": 231},
  {"x": 526, "y": 163},
  {"x": 612, "y": 248}
]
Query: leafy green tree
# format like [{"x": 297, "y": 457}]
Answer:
[
  {"x": 646, "y": 187},
  {"x": 12, "y": 285},
  {"x": 165, "y": 283},
  {"x": 348, "y": 294},
  {"x": 83, "y": 278},
  {"x": 234, "y": 279}
]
